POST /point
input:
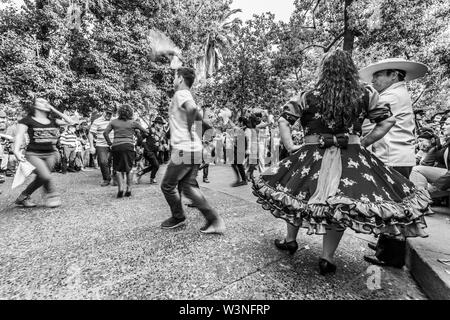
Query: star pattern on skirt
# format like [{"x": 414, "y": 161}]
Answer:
[
  {"x": 302, "y": 156},
  {"x": 347, "y": 182},
  {"x": 364, "y": 161},
  {"x": 295, "y": 173},
  {"x": 305, "y": 171},
  {"x": 275, "y": 169},
  {"x": 317, "y": 116},
  {"x": 369, "y": 177},
  {"x": 317, "y": 156},
  {"x": 406, "y": 189},
  {"x": 302, "y": 195},
  {"x": 316, "y": 176},
  {"x": 352, "y": 164},
  {"x": 378, "y": 198},
  {"x": 287, "y": 164},
  {"x": 364, "y": 198}
]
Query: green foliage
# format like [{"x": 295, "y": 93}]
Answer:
[
  {"x": 89, "y": 54},
  {"x": 255, "y": 75}
]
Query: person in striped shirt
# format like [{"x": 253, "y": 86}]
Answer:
[
  {"x": 68, "y": 142},
  {"x": 101, "y": 149}
]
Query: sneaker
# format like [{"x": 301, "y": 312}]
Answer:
[
  {"x": 26, "y": 202},
  {"x": 9, "y": 173},
  {"x": 217, "y": 227},
  {"x": 153, "y": 181},
  {"x": 114, "y": 183},
  {"x": 173, "y": 223},
  {"x": 2, "y": 179},
  {"x": 105, "y": 183},
  {"x": 205, "y": 180},
  {"x": 53, "y": 201}
]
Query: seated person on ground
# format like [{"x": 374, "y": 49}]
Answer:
[{"x": 434, "y": 178}]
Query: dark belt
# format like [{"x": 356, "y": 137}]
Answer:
[{"x": 326, "y": 141}]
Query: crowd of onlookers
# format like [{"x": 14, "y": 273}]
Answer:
[{"x": 81, "y": 145}]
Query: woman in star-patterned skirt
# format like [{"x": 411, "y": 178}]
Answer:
[{"x": 333, "y": 182}]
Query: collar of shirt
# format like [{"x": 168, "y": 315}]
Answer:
[{"x": 396, "y": 86}]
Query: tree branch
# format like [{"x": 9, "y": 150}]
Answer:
[
  {"x": 313, "y": 46},
  {"x": 420, "y": 96},
  {"x": 334, "y": 42},
  {"x": 313, "y": 14},
  {"x": 327, "y": 48}
]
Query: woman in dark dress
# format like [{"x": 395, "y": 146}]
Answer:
[
  {"x": 123, "y": 147},
  {"x": 333, "y": 182}
]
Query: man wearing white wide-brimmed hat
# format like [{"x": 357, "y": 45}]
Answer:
[{"x": 397, "y": 148}]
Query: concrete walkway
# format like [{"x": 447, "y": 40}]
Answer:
[{"x": 98, "y": 247}]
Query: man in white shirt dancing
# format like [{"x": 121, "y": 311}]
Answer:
[{"x": 186, "y": 158}]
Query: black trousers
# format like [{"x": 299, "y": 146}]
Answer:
[
  {"x": 393, "y": 251},
  {"x": 154, "y": 164},
  {"x": 205, "y": 170}
]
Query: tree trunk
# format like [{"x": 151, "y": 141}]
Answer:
[
  {"x": 349, "y": 36},
  {"x": 43, "y": 29}
]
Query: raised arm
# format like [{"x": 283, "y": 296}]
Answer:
[
  {"x": 67, "y": 119},
  {"x": 142, "y": 129}
]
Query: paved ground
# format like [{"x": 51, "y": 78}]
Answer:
[{"x": 98, "y": 247}]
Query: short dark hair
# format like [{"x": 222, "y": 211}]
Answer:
[
  {"x": 188, "y": 75},
  {"x": 401, "y": 73},
  {"x": 125, "y": 112}
]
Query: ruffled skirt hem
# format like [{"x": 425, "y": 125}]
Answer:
[{"x": 396, "y": 220}]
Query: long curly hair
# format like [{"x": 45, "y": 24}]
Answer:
[
  {"x": 125, "y": 113},
  {"x": 340, "y": 89}
]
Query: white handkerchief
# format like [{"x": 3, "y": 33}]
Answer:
[{"x": 23, "y": 171}]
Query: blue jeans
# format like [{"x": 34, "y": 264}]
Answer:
[
  {"x": 104, "y": 161},
  {"x": 182, "y": 178}
]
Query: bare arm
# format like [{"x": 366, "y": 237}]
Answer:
[
  {"x": 380, "y": 130},
  {"x": 286, "y": 137},
  {"x": 67, "y": 119},
  {"x": 192, "y": 114},
  {"x": 20, "y": 137},
  {"x": 106, "y": 134},
  {"x": 91, "y": 142},
  {"x": 142, "y": 129}
]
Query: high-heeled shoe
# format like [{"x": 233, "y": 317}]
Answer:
[
  {"x": 326, "y": 267},
  {"x": 292, "y": 247},
  {"x": 119, "y": 194}
]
